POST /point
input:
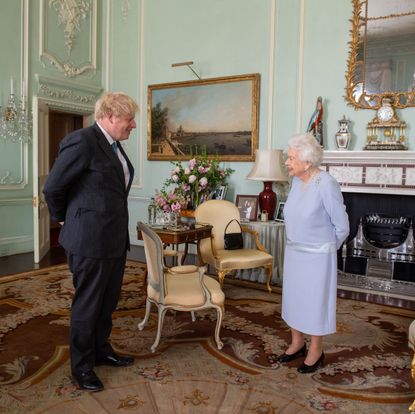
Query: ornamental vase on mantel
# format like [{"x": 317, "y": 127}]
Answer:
[{"x": 343, "y": 136}]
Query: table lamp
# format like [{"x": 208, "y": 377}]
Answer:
[{"x": 269, "y": 167}]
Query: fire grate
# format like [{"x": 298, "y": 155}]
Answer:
[
  {"x": 385, "y": 232},
  {"x": 383, "y": 249}
]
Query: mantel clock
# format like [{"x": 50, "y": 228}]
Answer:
[{"x": 386, "y": 131}]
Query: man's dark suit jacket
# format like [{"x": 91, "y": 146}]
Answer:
[{"x": 86, "y": 189}]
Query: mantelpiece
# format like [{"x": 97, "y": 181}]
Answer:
[{"x": 386, "y": 172}]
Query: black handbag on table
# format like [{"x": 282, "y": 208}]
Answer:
[{"x": 233, "y": 241}]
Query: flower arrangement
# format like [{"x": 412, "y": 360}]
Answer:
[
  {"x": 169, "y": 201},
  {"x": 195, "y": 182}
]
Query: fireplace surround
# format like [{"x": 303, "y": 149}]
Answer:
[{"x": 380, "y": 182}]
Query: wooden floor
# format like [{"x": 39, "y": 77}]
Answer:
[{"x": 25, "y": 262}]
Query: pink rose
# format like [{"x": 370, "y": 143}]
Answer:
[
  {"x": 192, "y": 179},
  {"x": 176, "y": 206}
]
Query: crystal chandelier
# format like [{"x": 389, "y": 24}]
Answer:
[{"x": 16, "y": 119}]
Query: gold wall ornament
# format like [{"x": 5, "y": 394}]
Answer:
[{"x": 357, "y": 93}]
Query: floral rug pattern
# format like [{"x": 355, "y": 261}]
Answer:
[{"x": 367, "y": 368}]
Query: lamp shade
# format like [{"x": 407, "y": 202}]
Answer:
[{"x": 269, "y": 166}]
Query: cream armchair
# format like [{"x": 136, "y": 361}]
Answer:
[
  {"x": 219, "y": 213},
  {"x": 181, "y": 288}
]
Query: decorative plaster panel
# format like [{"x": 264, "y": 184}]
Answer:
[
  {"x": 125, "y": 8},
  {"x": 349, "y": 174},
  {"x": 387, "y": 172},
  {"x": 410, "y": 176},
  {"x": 8, "y": 181},
  {"x": 74, "y": 17}
]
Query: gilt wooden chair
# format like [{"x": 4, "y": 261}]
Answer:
[
  {"x": 219, "y": 213},
  {"x": 181, "y": 288}
]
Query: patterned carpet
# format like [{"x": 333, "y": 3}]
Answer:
[{"x": 367, "y": 366}]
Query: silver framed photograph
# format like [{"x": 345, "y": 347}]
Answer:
[
  {"x": 280, "y": 212},
  {"x": 220, "y": 193}
]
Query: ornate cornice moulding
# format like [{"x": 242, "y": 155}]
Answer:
[{"x": 77, "y": 96}]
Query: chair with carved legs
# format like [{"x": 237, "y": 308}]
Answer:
[
  {"x": 219, "y": 213},
  {"x": 181, "y": 288}
]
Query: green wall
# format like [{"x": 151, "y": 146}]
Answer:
[{"x": 298, "y": 47}]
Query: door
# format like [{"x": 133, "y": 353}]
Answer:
[
  {"x": 41, "y": 222},
  {"x": 60, "y": 125}
]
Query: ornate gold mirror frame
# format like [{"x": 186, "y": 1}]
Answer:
[{"x": 356, "y": 94}]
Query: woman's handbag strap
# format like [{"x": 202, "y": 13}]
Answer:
[{"x": 239, "y": 224}]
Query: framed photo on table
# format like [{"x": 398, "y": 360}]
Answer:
[
  {"x": 280, "y": 211},
  {"x": 248, "y": 207},
  {"x": 220, "y": 193}
]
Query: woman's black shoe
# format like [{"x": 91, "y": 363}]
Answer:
[
  {"x": 290, "y": 357},
  {"x": 308, "y": 369}
]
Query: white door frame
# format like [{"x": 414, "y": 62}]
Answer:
[
  {"x": 41, "y": 221},
  {"x": 41, "y": 218}
]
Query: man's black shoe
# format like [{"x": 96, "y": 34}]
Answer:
[
  {"x": 115, "y": 360},
  {"x": 88, "y": 381}
]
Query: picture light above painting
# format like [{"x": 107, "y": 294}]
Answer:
[{"x": 219, "y": 115}]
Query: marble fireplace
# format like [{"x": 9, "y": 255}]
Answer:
[{"x": 376, "y": 182}]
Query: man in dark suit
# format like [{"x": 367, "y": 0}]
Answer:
[{"x": 87, "y": 191}]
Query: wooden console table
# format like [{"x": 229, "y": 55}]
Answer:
[{"x": 183, "y": 235}]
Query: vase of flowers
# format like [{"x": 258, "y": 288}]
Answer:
[
  {"x": 197, "y": 180},
  {"x": 168, "y": 205}
]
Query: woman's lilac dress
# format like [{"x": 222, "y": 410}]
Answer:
[{"x": 316, "y": 225}]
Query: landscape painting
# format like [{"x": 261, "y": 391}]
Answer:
[{"x": 218, "y": 116}]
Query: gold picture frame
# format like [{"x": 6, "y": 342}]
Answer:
[{"x": 217, "y": 115}]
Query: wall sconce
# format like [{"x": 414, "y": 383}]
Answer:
[
  {"x": 269, "y": 168},
  {"x": 16, "y": 119}
]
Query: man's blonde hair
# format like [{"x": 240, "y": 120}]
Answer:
[{"x": 115, "y": 103}]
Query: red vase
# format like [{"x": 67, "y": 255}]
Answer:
[{"x": 268, "y": 200}]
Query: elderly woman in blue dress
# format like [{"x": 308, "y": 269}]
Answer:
[{"x": 316, "y": 225}]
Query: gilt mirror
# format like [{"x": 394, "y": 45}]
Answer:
[{"x": 381, "y": 59}]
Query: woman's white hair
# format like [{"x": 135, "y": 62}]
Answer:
[{"x": 307, "y": 147}]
